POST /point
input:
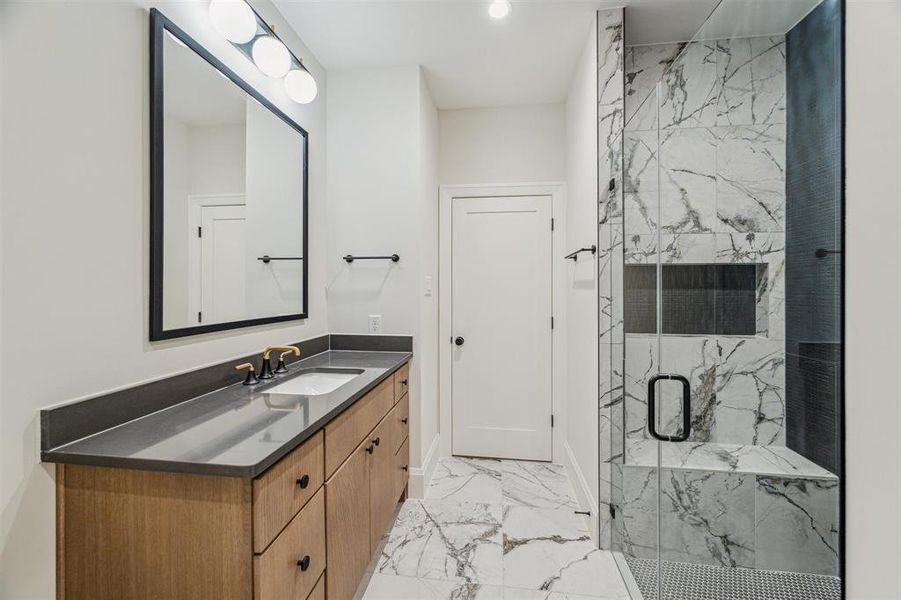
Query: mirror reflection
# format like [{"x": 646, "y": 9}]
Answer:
[{"x": 233, "y": 208}]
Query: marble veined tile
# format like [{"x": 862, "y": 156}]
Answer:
[
  {"x": 750, "y": 391},
  {"x": 536, "y": 484},
  {"x": 750, "y": 170},
  {"x": 645, "y": 66},
  {"x": 392, "y": 587},
  {"x": 707, "y": 517},
  {"x": 466, "y": 480},
  {"x": 689, "y": 90},
  {"x": 797, "y": 525},
  {"x": 610, "y": 56},
  {"x": 640, "y": 155},
  {"x": 695, "y": 358},
  {"x": 523, "y": 594},
  {"x": 776, "y": 461},
  {"x": 751, "y": 73},
  {"x": 444, "y": 540},
  {"x": 688, "y": 177},
  {"x": 551, "y": 550},
  {"x": 762, "y": 249},
  {"x": 635, "y": 526}
]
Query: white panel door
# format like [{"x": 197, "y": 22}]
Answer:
[
  {"x": 501, "y": 323},
  {"x": 223, "y": 269}
]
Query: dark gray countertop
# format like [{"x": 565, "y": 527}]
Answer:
[{"x": 237, "y": 431}]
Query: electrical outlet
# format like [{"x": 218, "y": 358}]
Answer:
[{"x": 375, "y": 323}]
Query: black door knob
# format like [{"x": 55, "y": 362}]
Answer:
[{"x": 459, "y": 340}]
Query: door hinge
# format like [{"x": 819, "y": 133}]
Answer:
[
  {"x": 200, "y": 232},
  {"x": 199, "y": 317},
  {"x": 587, "y": 513},
  {"x": 552, "y": 322},
  {"x": 612, "y": 512},
  {"x": 552, "y": 224},
  {"x": 552, "y": 420}
]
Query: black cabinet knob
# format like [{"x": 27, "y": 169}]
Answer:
[
  {"x": 459, "y": 340},
  {"x": 404, "y": 420},
  {"x": 370, "y": 449},
  {"x": 404, "y": 381},
  {"x": 304, "y": 563},
  {"x": 405, "y": 468},
  {"x": 377, "y": 441},
  {"x": 303, "y": 482}
]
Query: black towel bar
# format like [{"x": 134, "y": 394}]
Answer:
[
  {"x": 350, "y": 258},
  {"x": 267, "y": 259},
  {"x": 575, "y": 255}
]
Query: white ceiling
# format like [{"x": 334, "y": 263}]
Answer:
[{"x": 471, "y": 60}]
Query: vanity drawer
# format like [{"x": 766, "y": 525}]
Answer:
[
  {"x": 402, "y": 469},
  {"x": 280, "y": 492},
  {"x": 400, "y": 423},
  {"x": 291, "y": 566},
  {"x": 401, "y": 381},
  {"x": 346, "y": 432}
]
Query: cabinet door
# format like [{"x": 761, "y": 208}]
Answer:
[
  {"x": 347, "y": 524},
  {"x": 381, "y": 480},
  {"x": 401, "y": 469}
]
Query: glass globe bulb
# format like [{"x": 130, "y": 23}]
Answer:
[
  {"x": 499, "y": 9},
  {"x": 234, "y": 19},
  {"x": 300, "y": 86},
  {"x": 271, "y": 57}
]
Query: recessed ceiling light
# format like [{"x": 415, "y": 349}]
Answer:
[{"x": 499, "y": 9}]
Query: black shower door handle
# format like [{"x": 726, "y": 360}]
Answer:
[{"x": 686, "y": 408}]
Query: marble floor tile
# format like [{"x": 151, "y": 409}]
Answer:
[
  {"x": 444, "y": 540},
  {"x": 551, "y": 550},
  {"x": 536, "y": 484},
  {"x": 392, "y": 587},
  {"x": 466, "y": 480}
]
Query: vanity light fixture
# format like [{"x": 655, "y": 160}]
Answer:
[
  {"x": 254, "y": 38},
  {"x": 271, "y": 57},
  {"x": 500, "y": 9},
  {"x": 300, "y": 86},
  {"x": 234, "y": 19}
]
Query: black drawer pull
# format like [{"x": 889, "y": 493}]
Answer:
[
  {"x": 377, "y": 441},
  {"x": 403, "y": 381},
  {"x": 304, "y": 563},
  {"x": 404, "y": 420},
  {"x": 370, "y": 449},
  {"x": 303, "y": 482},
  {"x": 405, "y": 468}
]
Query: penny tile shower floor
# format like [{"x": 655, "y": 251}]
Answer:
[{"x": 493, "y": 530}]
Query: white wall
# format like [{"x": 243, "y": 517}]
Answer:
[
  {"x": 382, "y": 174},
  {"x": 581, "y": 411},
  {"x": 515, "y": 144},
  {"x": 74, "y": 237},
  {"x": 873, "y": 299}
]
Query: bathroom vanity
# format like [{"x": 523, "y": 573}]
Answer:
[{"x": 243, "y": 492}]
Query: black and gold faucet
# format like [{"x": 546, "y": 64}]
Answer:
[
  {"x": 266, "y": 367},
  {"x": 251, "y": 378}
]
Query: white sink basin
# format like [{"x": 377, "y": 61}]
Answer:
[{"x": 315, "y": 383}]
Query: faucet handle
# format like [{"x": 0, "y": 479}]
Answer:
[
  {"x": 281, "y": 368},
  {"x": 251, "y": 378}
]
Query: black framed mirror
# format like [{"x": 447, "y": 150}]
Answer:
[{"x": 228, "y": 196}]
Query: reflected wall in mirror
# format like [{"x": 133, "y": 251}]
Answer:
[{"x": 228, "y": 196}]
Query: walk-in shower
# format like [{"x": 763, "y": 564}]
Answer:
[{"x": 721, "y": 307}]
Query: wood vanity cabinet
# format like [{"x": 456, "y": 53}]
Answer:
[{"x": 305, "y": 529}]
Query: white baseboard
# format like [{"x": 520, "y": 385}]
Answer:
[
  {"x": 421, "y": 476},
  {"x": 584, "y": 497}
]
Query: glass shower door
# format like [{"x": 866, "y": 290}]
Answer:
[{"x": 729, "y": 481}]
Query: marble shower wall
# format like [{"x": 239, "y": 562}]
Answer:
[
  {"x": 611, "y": 105},
  {"x": 711, "y": 181}
]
